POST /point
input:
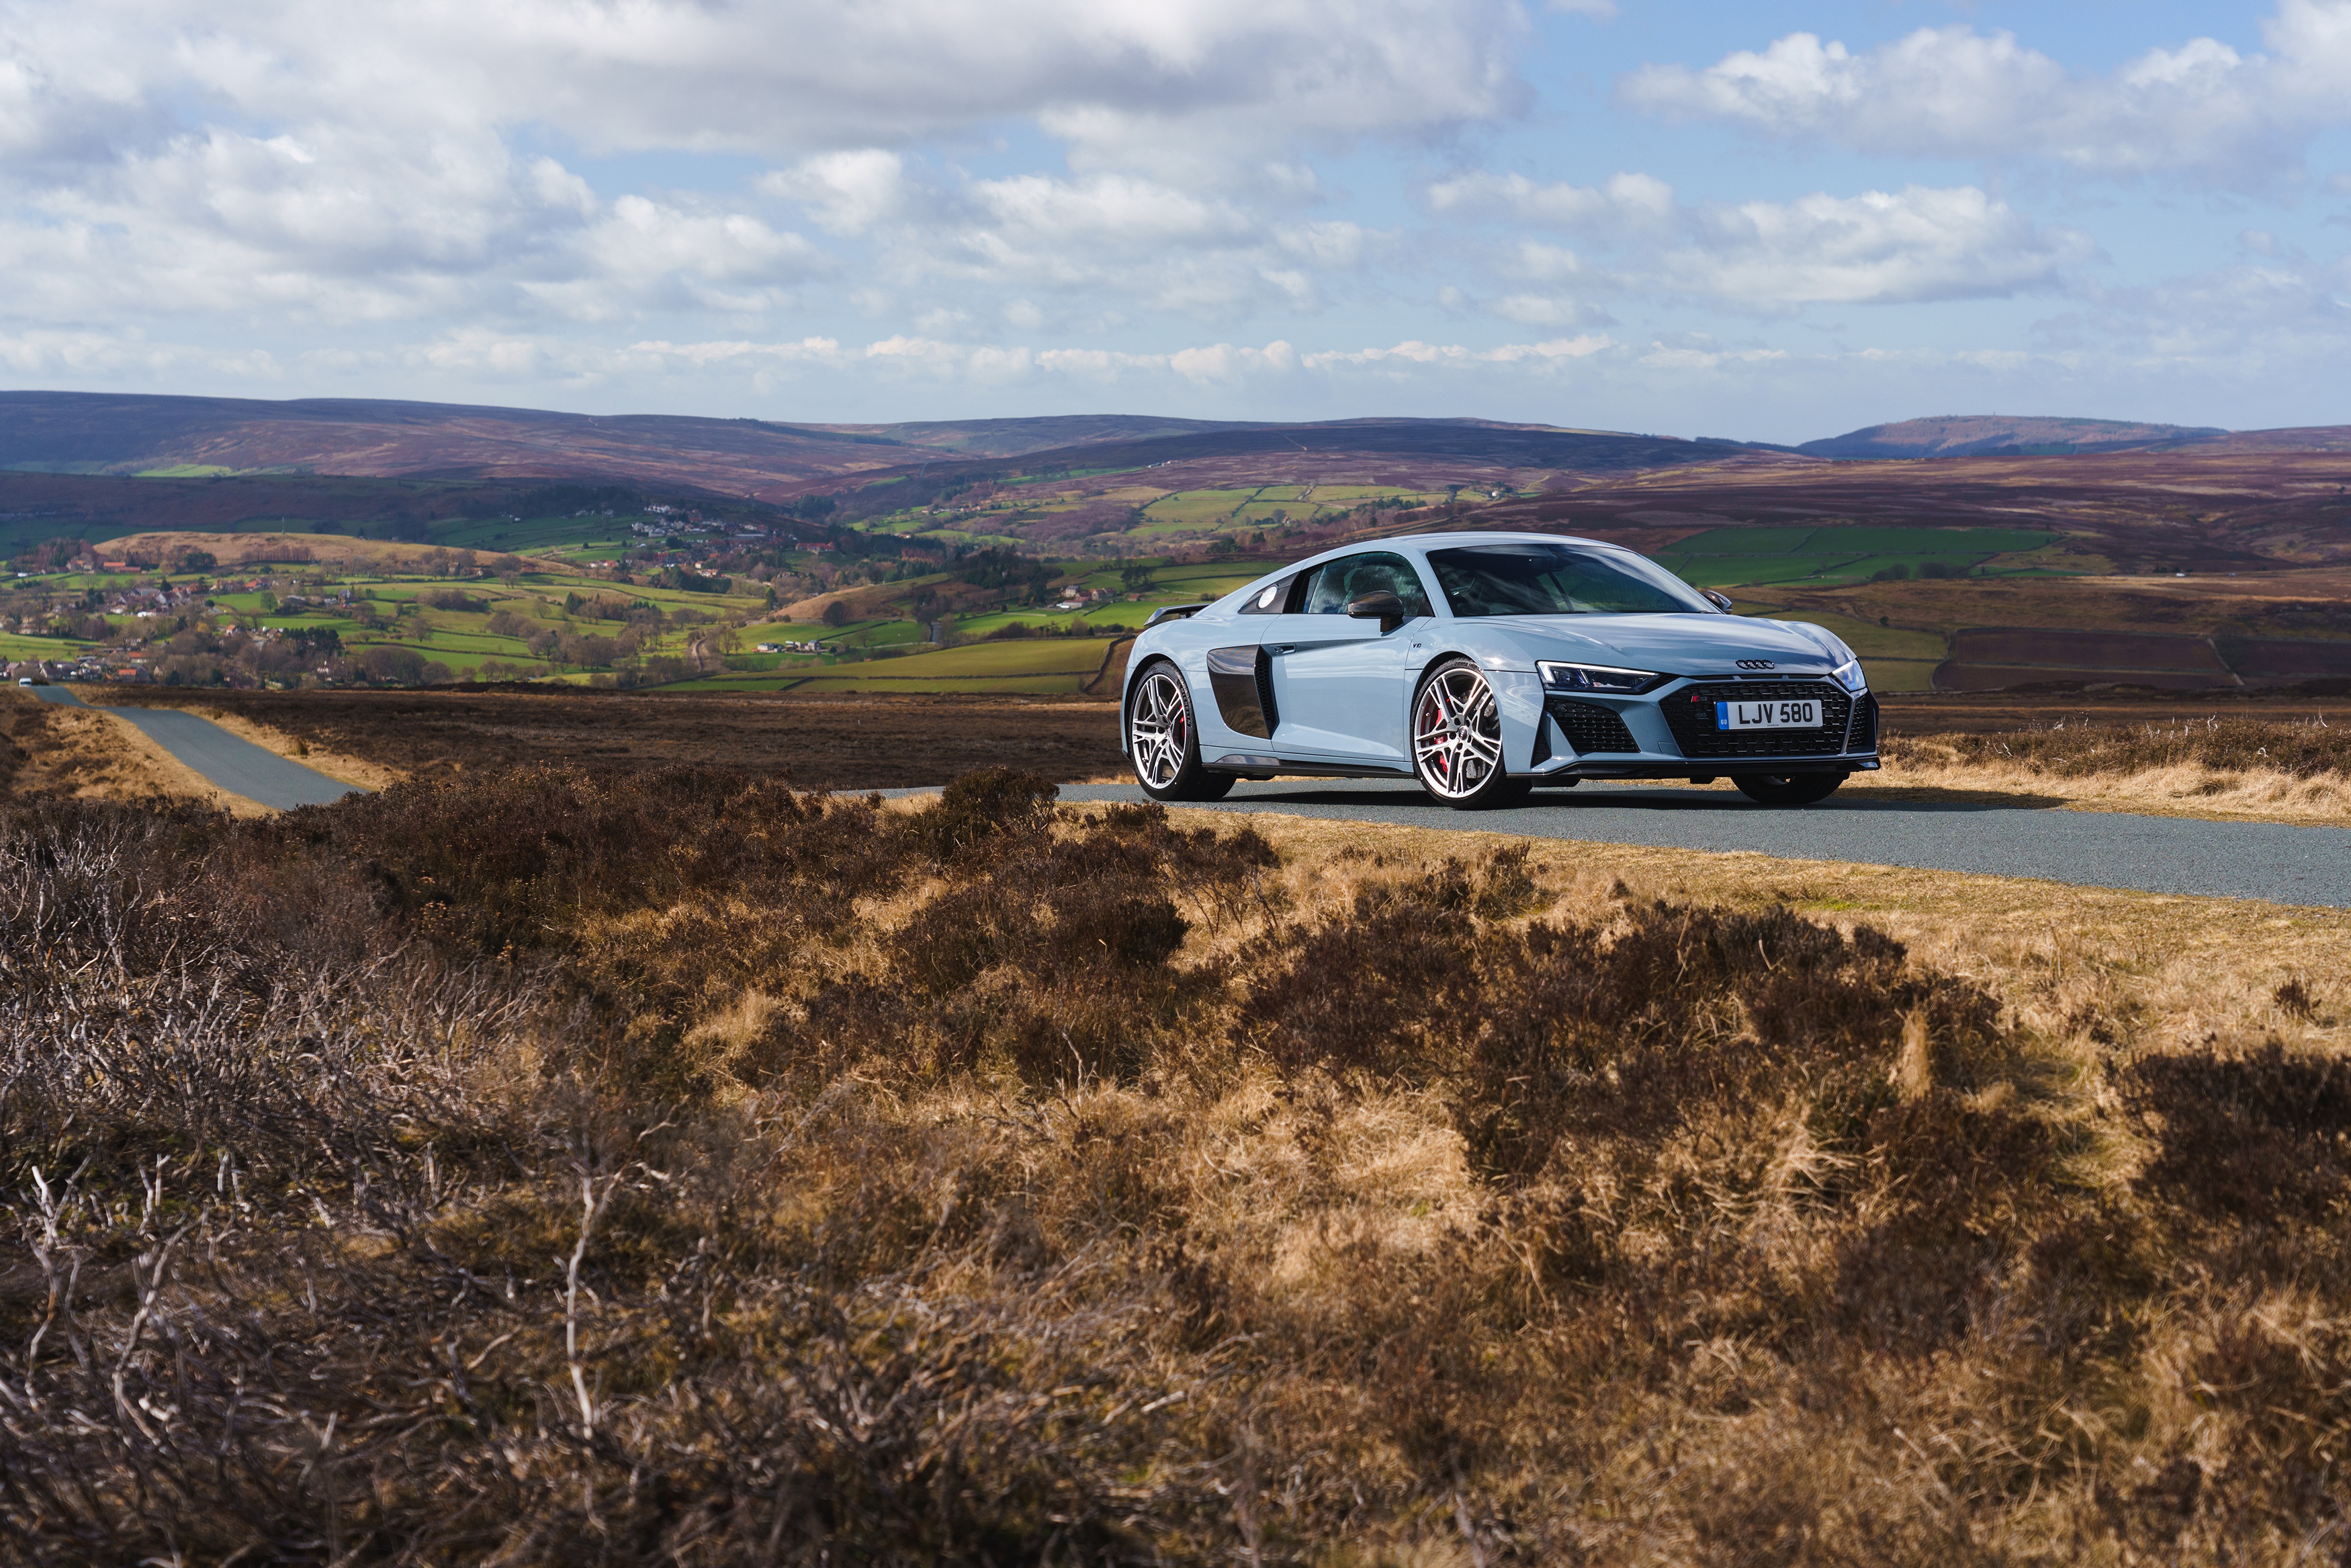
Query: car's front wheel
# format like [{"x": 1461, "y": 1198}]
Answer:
[
  {"x": 1163, "y": 740},
  {"x": 1456, "y": 739},
  {"x": 1787, "y": 789}
]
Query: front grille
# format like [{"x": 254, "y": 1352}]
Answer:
[
  {"x": 1589, "y": 727},
  {"x": 1689, "y": 714},
  {"x": 1863, "y": 734}
]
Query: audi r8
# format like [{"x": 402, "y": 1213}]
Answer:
[{"x": 1488, "y": 665}]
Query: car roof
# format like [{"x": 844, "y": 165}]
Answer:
[
  {"x": 1437, "y": 541},
  {"x": 1426, "y": 542}
]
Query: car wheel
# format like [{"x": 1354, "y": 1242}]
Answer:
[
  {"x": 1456, "y": 739},
  {"x": 1787, "y": 789},
  {"x": 1164, "y": 742}
]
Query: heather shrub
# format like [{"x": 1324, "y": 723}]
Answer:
[
  {"x": 2083, "y": 748},
  {"x": 549, "y": 1166}
]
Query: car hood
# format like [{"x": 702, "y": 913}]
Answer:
[{"x": 1672, "y": 644}]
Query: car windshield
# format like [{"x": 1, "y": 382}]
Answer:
[{"x": 1558, "y": 579}]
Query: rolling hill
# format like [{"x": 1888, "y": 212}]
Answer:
[
  {"x": 70, "y": 433},
  {"x": 195, "y": 438},
  {"x": 1987, "y": 435}
]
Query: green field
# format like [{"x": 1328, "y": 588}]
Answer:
[
  {"x": 1196, "y": 508},
  {"x": 1725, "y": 557},
  {"x": 14, "y": 648},
  {"x": 1743, "y": 542},
  {"x": 1267, "y": 514}
]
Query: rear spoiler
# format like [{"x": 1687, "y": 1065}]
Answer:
[{"x": 1174, "y": 612}]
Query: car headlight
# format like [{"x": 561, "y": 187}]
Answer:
[
  {"x": 1599, "y": 678},
  {"x": 1849, "y": 676}
]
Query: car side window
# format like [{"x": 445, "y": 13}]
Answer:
[
  {"x": 1272, "y": 599},
  {"x": 1352, "y": 576}
]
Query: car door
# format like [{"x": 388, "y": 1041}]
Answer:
[
  {"x": 1339, "y": 683},
  {"x": 1242, "y": 714}
]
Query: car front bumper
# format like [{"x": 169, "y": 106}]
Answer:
[{"x": 1672, "y": 732}]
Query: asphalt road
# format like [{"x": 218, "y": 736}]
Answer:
[
  {"x": 233, "y": 765},
  {"x": 2267, "y": 860},
  {"x": 2274, "y": 861}
]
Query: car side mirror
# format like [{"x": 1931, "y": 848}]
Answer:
[
  {"x": 1383, "y": 606},
  {"x": 1719, "y": 601}
]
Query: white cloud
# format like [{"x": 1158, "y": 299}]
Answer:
[
  {"x": 1637, "y": 201},
  {"x": 1907, "y": 246},
  {"x": 1557, "y": 351},
  {"x": 1547, "y": 310},
  {"x": 2273, "y": 312},
  {"x": 2201, "y": 108},
  {"x": 848, "y": 192},
  {"x": 776, "y": 79},
  {"x": 1074, "y": 239},
  {"x": 331, "y": 226},
  {"x": 1229, "y": 365},
  {"x": 326, "y": 165},
  {"x": 416, "y": 198},
  {"x": 1879, "y": 247}
]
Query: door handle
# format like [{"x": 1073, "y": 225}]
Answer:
[{"x": 1283, "y": 648}]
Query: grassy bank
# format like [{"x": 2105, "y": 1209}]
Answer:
[
  {"x": 2281, "y": 769},
  {"x": 544, "y": 1168}
]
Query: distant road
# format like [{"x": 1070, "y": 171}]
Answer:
[
  {"x": 2286, "y": 864},
  {"x": 232, "y": 763}
]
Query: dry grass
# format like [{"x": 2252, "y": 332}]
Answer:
[
  {"x": 2268, "y": 769},
  {"x": 2191, "y": 967},
  {"x": 78, "y": 754},
  {"x": 544, "y": 1169}
]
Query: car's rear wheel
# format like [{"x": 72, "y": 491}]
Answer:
[
  {"x": 1162, "y": 742},
  {"x": 1787, "y": 789},
  {"x": 1456, "y": 739}
]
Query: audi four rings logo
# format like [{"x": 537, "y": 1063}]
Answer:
[{"x": 1757, "y": 664}]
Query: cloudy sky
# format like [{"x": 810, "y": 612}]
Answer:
[{"x": 1765, "y": 220}]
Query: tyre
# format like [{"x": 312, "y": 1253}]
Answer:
[
  {"x": 1456, "y": 739},
  {"x": 1162, "y": 742},
  {"x": 1787, "y": 789}
]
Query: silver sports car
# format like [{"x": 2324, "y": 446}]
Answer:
[{"x": 1486, "y": 665}]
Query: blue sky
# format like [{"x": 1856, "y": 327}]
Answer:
[{"x": 1774, "y": 221}]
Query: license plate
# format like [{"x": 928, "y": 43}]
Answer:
[{"x": 1788, "y": 713}]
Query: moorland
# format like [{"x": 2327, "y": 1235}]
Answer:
[
  {"x": 545, "y": 1166},
  {"x": 618, "y": 1138}
]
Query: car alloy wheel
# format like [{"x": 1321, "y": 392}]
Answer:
[
  {"x": 1164, "y": 743},
  {"x": 1159, "y": 728},
  {"x": 1457, "y": 738}
]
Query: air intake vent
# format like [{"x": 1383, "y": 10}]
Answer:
[
  {"x": 1863, "y": 734},
  {"x": 1589, "y": 727}
]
